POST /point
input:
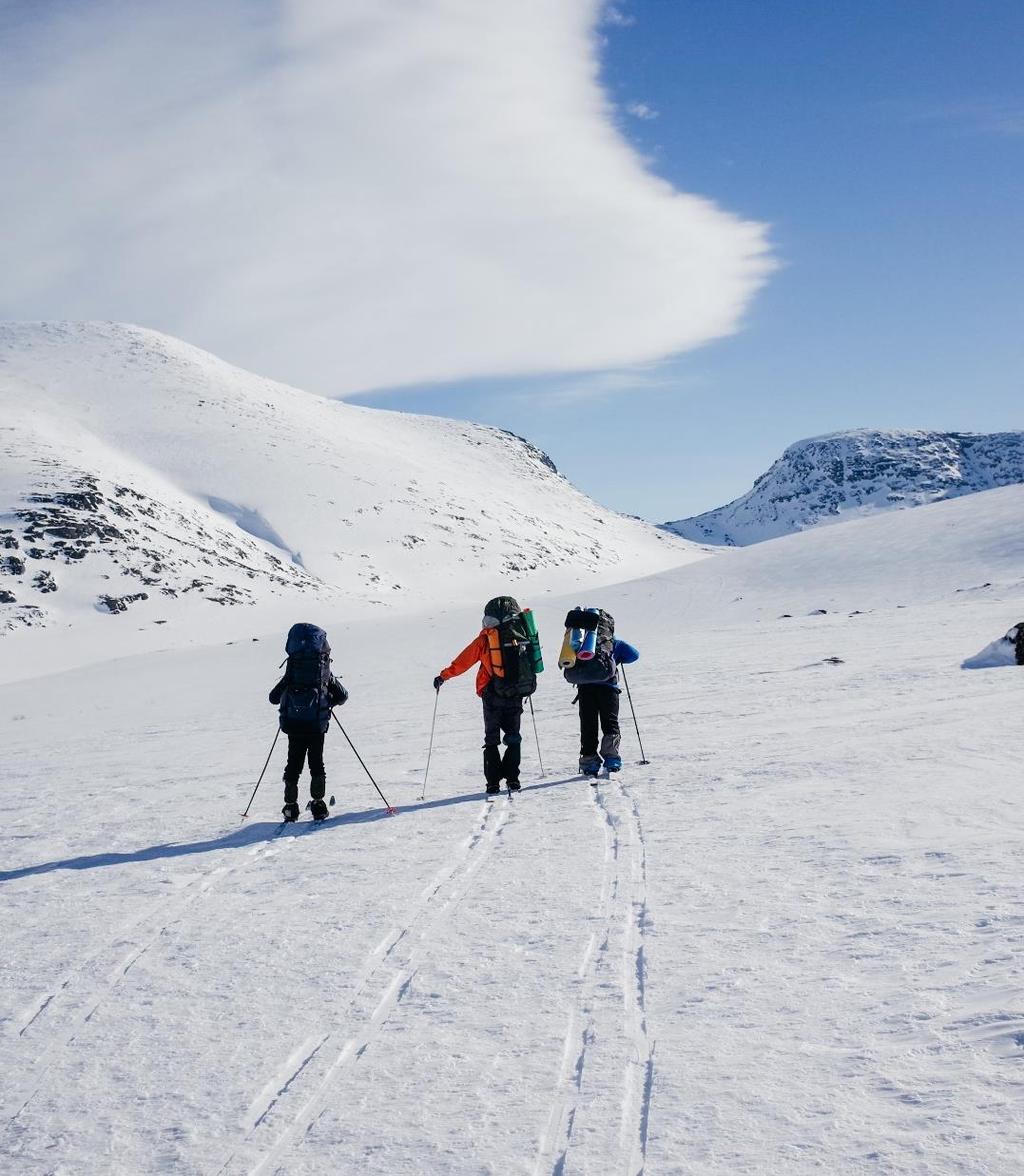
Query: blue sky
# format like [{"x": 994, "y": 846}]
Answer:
[{"x": 883, "y": 142}]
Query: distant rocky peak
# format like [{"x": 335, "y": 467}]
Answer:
[{"x": 843, "y": 475}]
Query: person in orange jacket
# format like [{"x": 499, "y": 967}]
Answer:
[{"x": 502, "y": 716}]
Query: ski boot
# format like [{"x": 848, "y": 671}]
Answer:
[
  {"x": 290, "y": 811},
  {"x": 318, "y": 808},
  {"x": 514, "y": 785},
  {"x": 613, "y": 763},
  {"x": 590, "y": 765},
  {"x": 492, "y": 789}
]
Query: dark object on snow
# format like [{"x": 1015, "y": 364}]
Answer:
[
  {"x": 599, "y": 707},
  {"x": 119, "y": 604},
  {"x": 582, "y": 618},
  {"x": 833, "y": 661},
  {"x": 302, "y": 746},
  {"x": 502, "y": 724},
  {"x": 512, "y": 658},
  {"x": 1018, "y": 642},
  {"x": 308, "y": 689},
  {"x": 305, "y": 696}
]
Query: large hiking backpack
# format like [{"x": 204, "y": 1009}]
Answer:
[
  {"x": 513, "y": 659},
  {"x": 601, "y": 667},
  {"x": 306, "y": 700}
]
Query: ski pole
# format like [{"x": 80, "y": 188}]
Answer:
[
  {"x": 260, "y": 780},
  {"x": 625, "y": 679},
  {"x": 365, "y": 768},
  {"x": 535, "y": 735},
  {"x": 430, "y": 749}
]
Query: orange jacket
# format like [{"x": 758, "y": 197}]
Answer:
[{"x": 476, "y": 651}]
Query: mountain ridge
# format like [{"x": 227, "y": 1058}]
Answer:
[
  {"x": 836, "y": 476},
  {"x": 139, "y": 472}
]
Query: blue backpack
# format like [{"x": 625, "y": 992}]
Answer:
[{"x": 306, "y": 700}]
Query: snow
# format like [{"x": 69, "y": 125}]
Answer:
[
  {"x": 1001, "y": 652},
  {"x": 134, "y": 463},
  {"x": 789, "y": 944},
  {"x": 838, "y": 476}
]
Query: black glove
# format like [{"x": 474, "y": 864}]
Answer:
[{"x": 438, "y": 682}]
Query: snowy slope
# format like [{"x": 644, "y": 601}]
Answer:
[
  {"x": 866, "y": 471},
  {"x": 140, "y": 473},
  {"x": 961, "y": 549},
  {"x": 790, "y": 944}
]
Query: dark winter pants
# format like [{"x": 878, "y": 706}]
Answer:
[
  {"x": 306, "y": 744},
  {"x": 502, "y": 717},
  {"x": 599, "y": 704}
]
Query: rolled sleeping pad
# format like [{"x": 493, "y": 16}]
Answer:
[
  {"x": 531, "y": 629},
  {"x": 588, "y": 649},
  {"x": 567, "y": 657}
]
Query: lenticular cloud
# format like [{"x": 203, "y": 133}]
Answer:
[{"x": 351, "y": 194}]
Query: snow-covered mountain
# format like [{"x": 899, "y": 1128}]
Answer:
[
  {"x": 835, "y": 477},
  {"x": 139, "y": 473}
]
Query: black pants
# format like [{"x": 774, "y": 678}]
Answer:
[
  {"x": 300, "y": 746},
  {"x": 599, "y": 705},
  {"x": 502, "y": 720}
]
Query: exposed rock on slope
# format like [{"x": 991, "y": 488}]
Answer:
[
  {"x": 138, "y": 470},
  {"x": 842, "y": 475}
]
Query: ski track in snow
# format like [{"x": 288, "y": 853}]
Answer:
[
  {"x": 361, "y": 1023},
  {"x": 94, "y": 981},
  {"x": 621, "y": 909},
  {"x": 557, "y": 1137},
  {"x": 639, "y": 1074}
]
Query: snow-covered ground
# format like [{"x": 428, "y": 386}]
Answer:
[
  {"x": 141, "y": 473},
  {"x": 792, "y": 943}
]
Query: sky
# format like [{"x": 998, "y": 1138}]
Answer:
[
  {"x": 883, "y": 143},
  {"x": 662, "y": 239}
]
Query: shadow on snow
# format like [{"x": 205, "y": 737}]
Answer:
[{"x": 247, "y": 835}]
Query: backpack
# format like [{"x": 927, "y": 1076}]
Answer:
[
  {"x": 600, "y": 668},
  {"x": 511, "y": 647},
  {"x": 306, "y": 702},
  {"x": 1018, "y": 642}
]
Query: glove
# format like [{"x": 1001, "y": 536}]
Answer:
[{"x": 438, "y": 682}]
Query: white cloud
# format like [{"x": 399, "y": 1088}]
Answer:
[
  {"x": 349, "y": 194},
  {"x": 641, "y": 110},
  {"x": 613, "y": 15}
]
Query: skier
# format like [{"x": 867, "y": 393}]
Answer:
[
  {"x": 596, "y": 678},
  {"x": 305, "y": 696},
  {"x": 507, "y": 651}
]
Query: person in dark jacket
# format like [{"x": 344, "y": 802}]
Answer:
[
  {"x": 599, "y": 707},
  {"x": 306, "y": 739}
]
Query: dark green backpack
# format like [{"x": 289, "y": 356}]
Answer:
[{"x": 517, "y": 677}]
